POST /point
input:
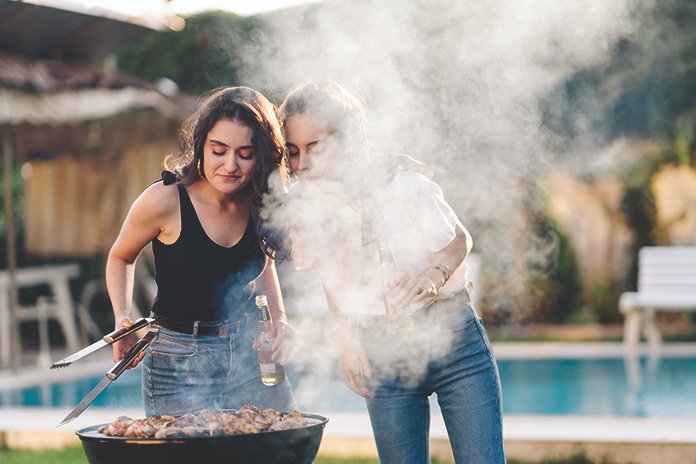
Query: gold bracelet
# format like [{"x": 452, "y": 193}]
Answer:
[{"x": 442, "y": 269}]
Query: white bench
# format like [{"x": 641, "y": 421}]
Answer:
[{"x": 666, "y": 282}]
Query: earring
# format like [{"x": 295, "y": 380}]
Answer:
[{"x": 200, "y": 171}]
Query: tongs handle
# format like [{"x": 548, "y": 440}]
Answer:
[
  {"x": 123, "y": 331},
  {"x": 132, "y": 354}
]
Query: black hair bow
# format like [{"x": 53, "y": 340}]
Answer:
[{"x": 168, "y": 177}]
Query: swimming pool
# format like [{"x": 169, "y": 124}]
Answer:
[
  {"x": 599, "y": 386},
  {"x": 606, "y": 386}
]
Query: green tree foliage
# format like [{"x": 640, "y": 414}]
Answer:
[
  {"x": 647, "y": 89},
  {"x": 198, "y": 58}
]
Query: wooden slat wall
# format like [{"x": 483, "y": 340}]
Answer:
[{"x": 75, "y": 207}]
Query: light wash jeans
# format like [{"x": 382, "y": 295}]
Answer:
[
  {"x": 454, "y": 361},
  {"x": 182, "y": 374}
]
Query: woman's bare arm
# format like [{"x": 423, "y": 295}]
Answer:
[{"x": 154, "y": 213}]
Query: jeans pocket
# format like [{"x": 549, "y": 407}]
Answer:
[{"x": 172, "y": 345}]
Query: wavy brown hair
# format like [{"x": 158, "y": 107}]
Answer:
[{"x": 252, "y": 109}]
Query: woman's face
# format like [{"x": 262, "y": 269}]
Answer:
[
  {"x": 229, "y": 157},
  {"x": 312, "y": 150}
]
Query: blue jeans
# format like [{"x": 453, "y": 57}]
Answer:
[
  {"x": 454, "y": 361},
  {"x": 182, "y": 374}
]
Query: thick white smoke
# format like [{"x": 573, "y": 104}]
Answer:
[{"x": 454, "y": 83}]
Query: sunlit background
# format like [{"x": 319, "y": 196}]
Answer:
[{"x": 562, "y": 132}]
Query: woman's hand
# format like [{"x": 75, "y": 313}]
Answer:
[
  {"x": 410, "y": 287},
  {"x": 413, "y": 286},
  {"x": 351, "y": 359},
  {"x": 121, "y": 347},
  {"x": 285, "y": 341}
]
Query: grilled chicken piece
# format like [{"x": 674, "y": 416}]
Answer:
[
  {"x": 291, "y": 420},
  {"x": 117, "y": 428}
]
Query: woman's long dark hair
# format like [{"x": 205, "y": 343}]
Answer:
[{"x": 249, "y": 107}]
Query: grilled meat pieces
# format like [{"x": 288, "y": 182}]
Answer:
[{"x": 208, "y": 422}]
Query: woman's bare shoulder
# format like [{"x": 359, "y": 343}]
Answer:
[{"x": 159, "y": 199}]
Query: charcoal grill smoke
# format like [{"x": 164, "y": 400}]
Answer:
[{"x": 455, "y": 84}]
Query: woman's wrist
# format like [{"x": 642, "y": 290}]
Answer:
[
  {"x": 123, "y": 321},
  {"x": 438, "y": 274},
  {"x": 342, "y": 331}
]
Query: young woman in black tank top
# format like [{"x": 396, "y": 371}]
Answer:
[{"x": 213, "y": 251}]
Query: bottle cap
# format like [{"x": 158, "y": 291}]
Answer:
[{"x": 261, "y": 300}]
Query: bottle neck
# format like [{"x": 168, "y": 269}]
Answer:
[{"x": 386, "y": 261}]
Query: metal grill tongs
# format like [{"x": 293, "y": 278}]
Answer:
[
  {"x": 108, "y": 339},
  {"x": 115, "y": 371}
]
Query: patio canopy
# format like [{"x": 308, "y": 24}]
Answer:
[{"x": 66, "y": 31}]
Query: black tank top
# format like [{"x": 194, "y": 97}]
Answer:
[{"x": 199, "y": 280}]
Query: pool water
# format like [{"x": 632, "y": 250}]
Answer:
[
  {"x": 546, "y": 386},
  {"x": 599, "y": 386}
]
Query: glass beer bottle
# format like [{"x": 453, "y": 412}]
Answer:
[
  {"x": 399, "y": 319},
  {"x": 272, "y": 373}
]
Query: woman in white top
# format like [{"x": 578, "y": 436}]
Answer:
[{"x": 366, "y": 222}]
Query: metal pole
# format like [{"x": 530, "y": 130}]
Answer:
[{"x": 7, "y": 150}]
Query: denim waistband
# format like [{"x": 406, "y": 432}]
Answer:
[
  {"x": 220, "y": 329},
  {"x": 430, "y": 314},
  {"x": 443, "y": 307}
]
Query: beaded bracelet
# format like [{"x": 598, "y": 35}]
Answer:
[{"x": 442, "y": 269}]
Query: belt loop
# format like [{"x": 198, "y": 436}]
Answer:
[
  {"x": 224, "y": 331},
  {"x": 195, "y": 329},
  {"x": 236, "y": 326},
  {"x": 469, "y": 287}
]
